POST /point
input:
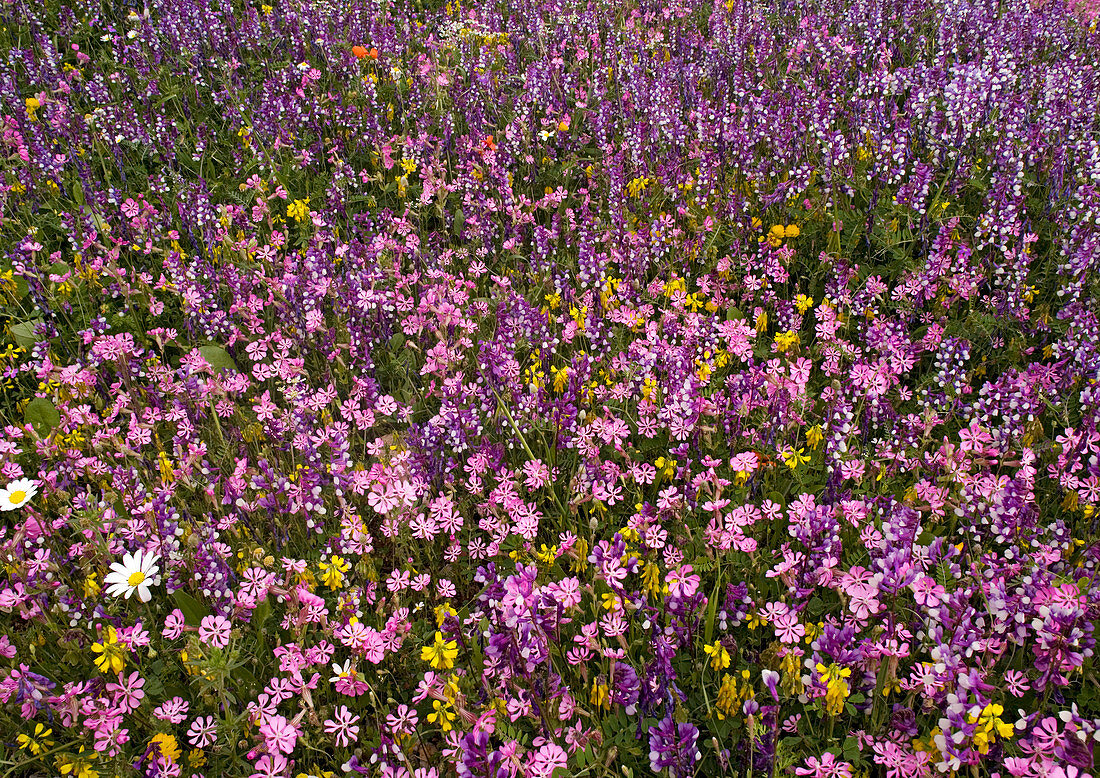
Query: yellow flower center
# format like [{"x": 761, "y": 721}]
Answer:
[
  {"x": 136, "y": 579},
  {"x": 17, "y": 496}
]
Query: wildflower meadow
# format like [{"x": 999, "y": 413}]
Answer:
[{"x": 547, "y": 388}]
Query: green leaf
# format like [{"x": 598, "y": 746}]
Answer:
[
  {"x": 851, "y": 749},
  {"x": 712, "y": 610},
  {"x": 218, "y": 358},
  {"x": 193, "y": 610},
  {"x": 260, "y": 614},
  {"x": 42, "y": 414},
  {"x": 23, "y": 332}
]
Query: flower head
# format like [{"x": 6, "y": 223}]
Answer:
[
  {"x": 112, "y": 654},
  {"x": 440, "y": 654},
  {"x": 134, "y": 573},
  {"x": 17, "y": 494}
]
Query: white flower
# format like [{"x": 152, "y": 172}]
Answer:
[
  {"x": 133, "y": 573},
  {"x": 17, "y": 494}
]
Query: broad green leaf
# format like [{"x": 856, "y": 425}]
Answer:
[
  {"x": 260, "y": 614},
  {"x": 218, "y": 358},
  {"x": 59, "y": 268},
  {"x": 193, "y": 610},
  {"x": 23, "y": 332},
  {"x": 42, "y": 414}
]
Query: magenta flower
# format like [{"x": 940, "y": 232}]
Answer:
[{"x": 279, "y": 733}]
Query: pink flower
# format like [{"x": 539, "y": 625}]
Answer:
[
  {"x": 547, "y": 759},
  {"x": 129, "y": 692},
  {"x": 927, "y": 592},
  {"x": 788, "y": 629},
  {"x": 828, "y": 767},
  {"x": 215, "y": 630},
  {"x": 403, "y": 720},
  {"x": 173, "y": 710},
  {"x": 173, "y": 624},
  {"x": 279, "y": 734},
  {"x": 270, "y": 766},
  {"x": 681, "y": 582},
  {"x": 343, "y": 726},
  {"x": 1017, "y": 683}
]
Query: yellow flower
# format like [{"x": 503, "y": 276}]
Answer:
[
  {"x": 598, "y": 696},
  {"x": 77, "y": 767},
  {"x": 33, "y": 105},
  {"x": 298, "y": 210},
  {"x": 803, "y": 303},
  {"x": 112, "y": 654},
  {"x": 441, "y": 654},
  {"x": 442, "y": 714},
  {"x": 835, "y": 694},
  {"x": 561, "y": 379},
  {"x": 814, "y": 436},
  {"x": 332, "y": 572},
  {"x": 719, "y": 656},
  {"x": 794, "y": 458},
  {"x": 990, "y": 727},
  {"x": 442, "y": 612},
  {"x": 651, "y": 578},
  {"x": 756, "y": 620},
  {"x": 746, "y": 692},
  {"x": 167, "y": 745},
  {"x": 37, "y": 742},
  {"x": 784, "y": 341},
  {"x": 727, "y": 696}
]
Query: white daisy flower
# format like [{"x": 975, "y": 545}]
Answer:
[
  {"x": 135, "y": 573},
  {"x": 17, "y": 494}
]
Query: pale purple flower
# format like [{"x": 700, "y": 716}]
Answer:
[{"x": 202, "y": 732}]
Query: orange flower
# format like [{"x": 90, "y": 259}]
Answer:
[
  {"x": 373, "y": 53},
  {"x": 360, "y": 52}
]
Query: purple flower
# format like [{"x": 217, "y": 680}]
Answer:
[{"x": 673, "y": 747}]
